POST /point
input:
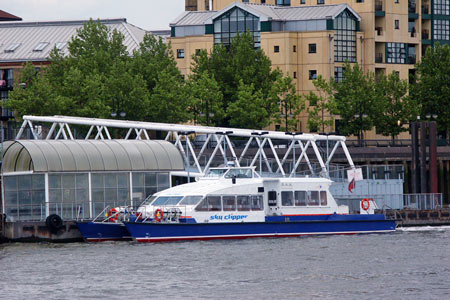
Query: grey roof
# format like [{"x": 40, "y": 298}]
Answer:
[
  {"x": 31, "y": 34},
  {"x": 267, "y": 12},
  {"x": 90, "y": 155}
]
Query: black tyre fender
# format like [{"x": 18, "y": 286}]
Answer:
[{"x": 54, "y": 223}]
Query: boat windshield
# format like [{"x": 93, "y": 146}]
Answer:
[
  {"x": 167, "y": 200},
  {"x": 191, "y": 200},
  {"x": 216, "y": 172},
  {"x": 148, "y": 200},
  {"x": 239, "y": 173}
]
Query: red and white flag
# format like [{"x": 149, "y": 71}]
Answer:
[{"x": 352, "y": 185}]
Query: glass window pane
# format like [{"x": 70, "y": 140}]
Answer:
[
  {"x": 229, "y": 203},
  {"x": 300, "y": 198},
  {"x": 150, "y": 179},
  {"x": 110, "y": 180},
  {"x": 257, "y": 203},
  {"x": 191, "y": 200},
  {"x": 243, "y": 203},
  {"x": 10, "y": 183},
  {"x": 323, "y": 198},
  {"x": 138, "y": 179},
  {"x": 98, "y": 195},
  {"x": 38, "y": 197},
  {"x": 287, "y": 198},
  {"x": 38, "y": 182},
  {"x": 163, "y": 180},
  {"x": 97, "y": 181},
  {"x": 68, "y": 181},
  {"x": 122, "y": 180},
  {"x": 314, "y": 198},
  {"x": 214, "y": 203},
  {"x": 68, "y": 195},
  {"x": 24, "y": 182},
  {"x": 203, "y": 206},
  {"x": 81, "y": 181}
]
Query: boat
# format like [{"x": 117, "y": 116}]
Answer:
[
  {"x": 236, "y": 203},
  {"x": 107, "y": 228}
]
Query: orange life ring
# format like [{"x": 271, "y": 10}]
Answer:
[
  {"x": 365, "y": 204},
  {"x": 159, "y": 214},
  {"x": 113, "y": 215}
]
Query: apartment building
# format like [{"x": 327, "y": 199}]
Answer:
[{"x": 388, "y": 35}]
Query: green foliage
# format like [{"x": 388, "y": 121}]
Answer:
[
  {"x": 98, "y": 77},
  {"x": 205, "y": 100},
  {"x": 321, "y": 104},
  {"x": 234, "y": 66},
  {"x": 249, "y": 110},
  {"x": 357, "y": 101},
  {"x": 290, "y": 103},
  {"x": 432, "y": 89},
  {"x": 397, "y": 108}
]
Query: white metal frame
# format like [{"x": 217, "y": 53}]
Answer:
[{"x": 100, "y": 128}]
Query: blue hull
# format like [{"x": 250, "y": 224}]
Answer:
[
  {"x": 99, "y": 232},
  {"x": 349, "y": 224}
]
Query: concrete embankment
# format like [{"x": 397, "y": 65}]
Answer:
[{"x": 413, "y": 217}]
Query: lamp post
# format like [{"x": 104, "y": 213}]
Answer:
[
  {"x": 117, "y": 108},
  {"x": 259, "y": 134},
  {"x": 186, "y": 134},
  {"x": 293, "y": 134},
  {"x": 361, "y": 117},
  {"x": 225, "y": 133}
]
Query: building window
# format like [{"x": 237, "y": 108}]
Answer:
[
  {"x": 263, "y": 1},
  {"x": 312, "y": 48},
  {"x": 284, "y": 2},
  {"x": 41, "y": 46},
  {"x": 302, "y": 1},
  {"x": 276, "y": 49},
  {"x": 345, "y": 37},
  {"x": 11, "y": 47},
  {"x": 396, "y": 1},
  {"x": 359, "y": 1},
  {"x": 180, "y": 53},
  {"x": 441, "y": 29},
  {"x": 395, "y": 53},
  {"x": 396, "y": 24},
  {"x": 294, "y": 48},
  {"x": 295, "y": 74},
  {"x": 320, "y": 1},
  {"x": 338, "y": 74},
  {"x": 233, "y": 21},
  {"x": 312, "y": 74},
  {"x": 441, "y": 7}
]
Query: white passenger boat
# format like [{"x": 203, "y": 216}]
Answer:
[{"x": 232, "y": 203}]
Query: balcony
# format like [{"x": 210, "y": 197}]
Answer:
[
  {"x": 379, "y": 58},
  {"x": 379, "y": 12},
  {"x": 413, "y": 33},
  {"x": 379, "y": 31},
  {"x": 411, "y": 8},
  {"x": 411, "y": 59},
  {"x": 425, "y": 34},
  {"x": 425, "y": 9}
]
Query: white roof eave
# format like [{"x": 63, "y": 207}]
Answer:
[{"x": 262, "y": 17}]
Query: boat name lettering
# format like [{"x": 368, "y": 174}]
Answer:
[{"x": 228, "y": 217}]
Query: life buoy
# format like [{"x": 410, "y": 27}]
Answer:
[
  {"x": 113, "y": 215},
  {"x": 159, "y": 214},
  {"x": 365, "y": 204}
]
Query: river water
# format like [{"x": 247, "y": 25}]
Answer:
[{"x": 408, "y": 264}]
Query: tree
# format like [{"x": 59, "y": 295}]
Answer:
[
  {"x": 205, "y": 102},
  {"x": 232, "y": 67},
  {"x": 290, "y": 103},
  {"x": 249, "y": 110},
  {"x": 319, "y": 103},
  {"x": 357, "y": 101},
  {"x": 397, "y": 108},
  {"x": 432, "y": 89}
]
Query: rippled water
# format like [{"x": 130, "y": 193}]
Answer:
[{"x": 408, "y": 264}]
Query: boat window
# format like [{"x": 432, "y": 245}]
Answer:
[
  {"x": 239, "y": 173},
  {"x": 229, "y": 203},
  {"x": 190, "y": 200},
  {"x": 287, "y": 198},
  {"x": 216, "y": 172},
  {"x": 203, "y": 206},
  {"x": 243, "y": 203},
  {"x": 300, "y": 198},
  {"x": 167, "y": 200},
  {"x": 272, "y": 197},
  {"x": 323, "y": 198},
  {"x": 257, "y": 202},
  {"x": 313, "y": 198},
  {"x": 214, "y": 203},
  {"x": 148, "y": 200}
]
